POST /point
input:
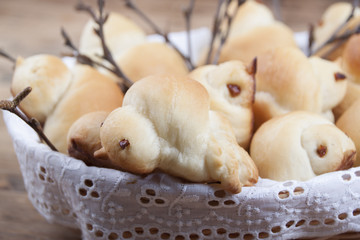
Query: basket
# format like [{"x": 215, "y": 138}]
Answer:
[{"x": 110, "y": 204}]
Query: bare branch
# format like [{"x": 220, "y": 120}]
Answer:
[
  {"x": 311, "y": 38},
  {"x": 12, "y": 106},
  {"x": 227, "y": 19},
  {"x": 188, "y": 13},
  {"x": 7, "y": 56},
  {"x": 215, "y": 30},
  {"x": 107, "y": 56},
  {"x": 130, "y": 4}
]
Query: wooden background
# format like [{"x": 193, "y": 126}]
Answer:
[{"x": 30, "y": 27}]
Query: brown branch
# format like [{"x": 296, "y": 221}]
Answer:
[
  {"x": 130, "y": 4},
  {"x": 215, "y": 30},
  {"x": 310, "y": 38},
  {"x": 7, "y": 56},
  {"x": 81, "y": 58},
  {"x": 335, "y": 37},
  {"x": 227, "y": 19},
  {"x": 187, "y": 14},
  {"x": 100, "y": 20},
  {"x": 12, "y": 106},
  {"x": 340, "y": 40}
]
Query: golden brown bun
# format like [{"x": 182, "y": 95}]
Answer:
[
  {"x": 350, "y": 62},
  {"x": 231, "y": 87},
  {"x": 333, "y": 82},
  {"x": 49, "y": 78},
  {"x": 349, "y": 123},
  {"x": 89, "y": 92},
  {"x": 151, "y": 58},
  {"x": 165, "y": 123},
  {"x": 250, "y": 15},
  {"x": 300, "y": 145},
  {"x": 121, "y": 33},
  {"x": 286, "y": 80},
  {"x": 333, "y": 17},
  {"x": 352, "y": 95},
  {"x": 256, "y": 42},
  {"x": 83, "y": 139}
]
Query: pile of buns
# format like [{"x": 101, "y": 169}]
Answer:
[{"x": 265, "y": 110}]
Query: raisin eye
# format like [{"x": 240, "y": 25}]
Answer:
[
  {"x": 339, "y": 76},
  {"x": 124, "y": 143},
  {"x": 321, "y": 150},
  {"x": 234, "y": 90}
]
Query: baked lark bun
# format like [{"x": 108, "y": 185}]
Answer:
[
  {"x": 250, "y": 14},
  {"x": 349, "y": 123},
  {"x": 333, "y": 17},
  {"x": 286, "y": 80},
  {"x": 350, "y": 63},
  {"x": 83, "y": 139},
  {"x": 256, "y": 42},
  {"x": 254, "y": 31},
  {"x": 121, "y": 33},
  {"x": 165, "y": 123},
  {"x": 49, "y": 78},
  {"x": 333, "y": 82},
  {"x": 231, "y": 87},
  {"x": 151, "y": 58},
  {"x": 300, "y": 145},
  {"x": 90, "y": 91}
]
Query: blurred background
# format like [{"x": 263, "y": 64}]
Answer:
[{"x": 29, "y": 27}]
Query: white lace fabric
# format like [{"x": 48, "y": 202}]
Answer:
[{"x": 110, "y": 204}]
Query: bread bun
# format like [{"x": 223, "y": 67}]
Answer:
[
  {"x": 90, "y": 91},
  {"x": 120, "y": 32},
  {"x": 286, "y": 80},
  {"x": 83, "y": 139},
  {"x": 165, "y": 123},
  {"x": 254, "y": 31},
  {"x": 151, "y": 58},
  {"x": 257, "y": 41},
  {"x": 250, "y": 15},
  {"x": 231, "y": 87},
  {"x": 333, "y": 82},
  {"x": 349, "y": 123},
  {"x": 299, "y": 146},
  {"x": 49, "y": 78},
  {"x": 350, "y": 62}
]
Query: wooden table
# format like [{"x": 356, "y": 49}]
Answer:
[{"x": 29, "y": 27}]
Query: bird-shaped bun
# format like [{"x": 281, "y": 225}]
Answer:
[
  {"x": 299, "y": 146},
  {"x": 165, "y": 123}
]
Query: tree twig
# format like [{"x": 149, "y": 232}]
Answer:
[
  {"x": 130, "y": 4},
  {"x": 226, "y": 18},
  {"x": 7, "y": 56},
  {"x": 215, "y": 30},
  {"x": 188, "y": 13},
  {"x": 100, "y": 20},
  {"x": 12, "y": 106},
  {"x": 310, "y": 39}
]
